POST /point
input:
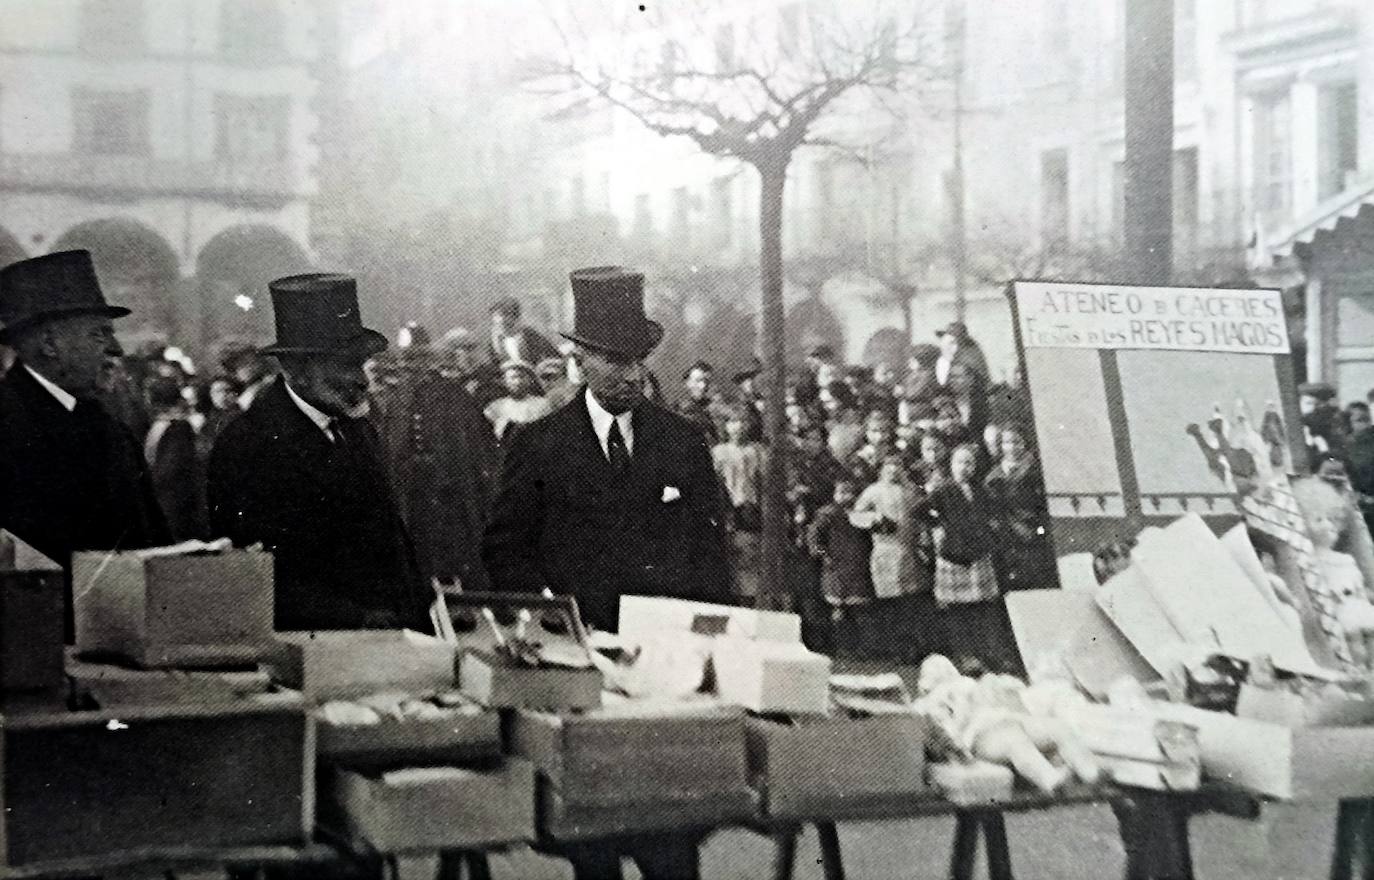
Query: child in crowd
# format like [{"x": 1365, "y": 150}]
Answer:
[
  {"x": 866, "y": 461},
  {"x": 889, "y": 502},
  {"x": 1024, "y": 557},
  {"x": 739, "y": 464},
  {"x": 966, "y": 588},
  {"x": 524, "y": 401},
  {"x": 843, "y": 550}
]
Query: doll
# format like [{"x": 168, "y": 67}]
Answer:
[
  {"x": 1329, "y": 515},
  {"x": 987, "y": 719}
]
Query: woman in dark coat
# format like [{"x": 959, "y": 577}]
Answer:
[{"x": 1024, "y": 557}]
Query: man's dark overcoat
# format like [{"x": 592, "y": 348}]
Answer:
[
  {"x": 325, "y": 510},
  {"x": 566, "y": 521},
  {"x": 71, "y": 481}
]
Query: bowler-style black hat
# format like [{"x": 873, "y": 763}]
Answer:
[
  {"x": 46, "y": 288},
  {"x": 608, "y": 312},
  {"x": 318, "y": 314}
]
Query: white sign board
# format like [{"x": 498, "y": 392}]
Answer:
[{"x": 1105, "y": 316}]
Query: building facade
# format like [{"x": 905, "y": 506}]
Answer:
[{"x": 176, "y": 139}]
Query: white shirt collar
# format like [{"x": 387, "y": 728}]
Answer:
[
  {"x": 63, "y": 397},
  {"x": 320, "y": 419},
  {"x": 601, "y": 424}
]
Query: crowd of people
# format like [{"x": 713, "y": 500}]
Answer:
[{"x": 915, "y": 498}]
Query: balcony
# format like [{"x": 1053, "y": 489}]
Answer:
[
  {"x": 267, "y": 184},
  {"x": 1294, "y": 27}
]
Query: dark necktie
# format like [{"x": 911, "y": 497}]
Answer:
[{"x": 616, "y": 449}]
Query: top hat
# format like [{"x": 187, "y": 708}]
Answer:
[
  {"x": 59, "y": 285},
  {"x": 608, "y": 312},
  {"x": 1319, "y": 390},
  {"x": 318, "y": 314}
]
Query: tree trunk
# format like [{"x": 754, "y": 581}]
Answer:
[{"x": 773, "y": 592}]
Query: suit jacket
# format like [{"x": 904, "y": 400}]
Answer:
[
  {"x": 443, "y": 461},
  {"x": 565, "y": 521},
  {"x": 325, "y": 510},
  {"x": 71, "y": 480}
]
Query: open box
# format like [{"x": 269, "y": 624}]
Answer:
[
  {"x": 825, "y": 766},
  {"x": 153, "y": 778},
  {"x": 456, "y": 737},
  {"x": 520, "y": 650},
  {"x": 115, "y": 684},
  {"x": 484, "y": 804},
  {"x": 639, "y": 752}
]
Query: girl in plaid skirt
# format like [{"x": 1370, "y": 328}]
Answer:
[{"x": 973, "y": 620}]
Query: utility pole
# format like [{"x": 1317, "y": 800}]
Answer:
[{"x": 1149, "y": 92}]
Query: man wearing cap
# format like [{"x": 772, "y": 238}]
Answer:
[
  {"x": 302, "y": 472},
  {"x": 611, "y": 495},
  {"x": 71, "y": 476}
]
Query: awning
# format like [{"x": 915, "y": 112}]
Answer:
[{"x": 1322, "y": 218}]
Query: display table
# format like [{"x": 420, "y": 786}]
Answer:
[{"x": 1143, "y": 845}]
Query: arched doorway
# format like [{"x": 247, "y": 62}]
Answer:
[
  {"x": 11, "y": 251},
  {"x": 137, "y": 269},
  {"x": 810, "y": 323},
  {"x": 887, "y": 346},
  {"x": 232, "y": 274}
]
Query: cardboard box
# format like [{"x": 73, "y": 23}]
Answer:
[
  {"x": 494, "y": 681},
  {"x": 815, "y": 768},
  {"x": 340, "y": 664},
  {"x": 455, "y": 738},
  {"x": 1152, "y": 775},
  {"x": 769, "y": 677},
  {"x": 32, "y": 608},
  {"x": 1122, "y": 734},
  {"x": 110, "y": 685},
  {"x": 85, "y": 784},
  {"x": 193, "y": 610},
  {"x": 564, "y": 822},
  {"x": 644, "y": 615},
  {"x": 470, "y": 807},
  {"x": 1274, "y": 760},
  {"x": 640, "y": 753}
]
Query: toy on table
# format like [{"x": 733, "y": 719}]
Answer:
[
  {"x": 989, "y": 719},
  {"x": 1329, "y": 517}
]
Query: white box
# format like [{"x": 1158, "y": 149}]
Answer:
[
  {"x": 640, "y": 615},
  {"x": 771, "y": 676},
  {"x": 340, "y": 664}
]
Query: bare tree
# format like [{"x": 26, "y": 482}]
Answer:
[{"x": 758, "y": 101}]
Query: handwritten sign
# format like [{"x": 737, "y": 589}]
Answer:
[{"x": 1168, "y": 318}]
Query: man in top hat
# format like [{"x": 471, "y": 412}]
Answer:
[
  {"x": 302, "y": 472},
  {"x": 611, "y": 495},
  {"x": 71, "y": 476}
]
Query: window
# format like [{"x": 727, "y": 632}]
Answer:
[
  {"x": 1273, "y": 154},
  {"x": 725, "y": 47},
  {"x": 251, "y": 29},
  {"x": 1185, "y": 40},
  {"x": 644, "y": 217},
  {"x": 1119, "y": 200},
  {"x": 1185, "y": 205},
  {"x": 722, "y": 212},
  {"x": 682, "y": 215},
  {"x": 578, "y": 196},
  {"x": 825, "y": 197},
  {"x": 114, "y": 26},
  {"x": 1057, "y": 37},
  {"x": 1054, "y": 198},
  {"x": 111, "y": 123},
  {"x": 250, "y": 129},
  {"x": 1337, "y": 138},
  {"x": 789, "y": 30}
]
